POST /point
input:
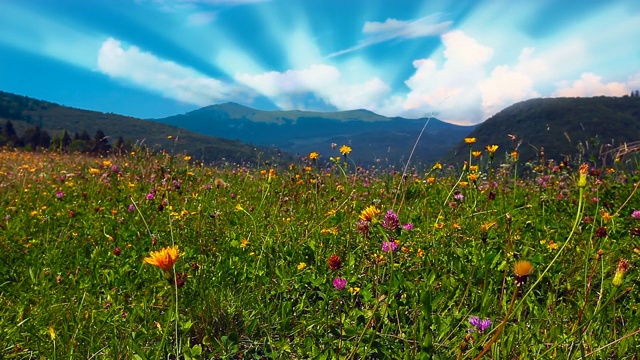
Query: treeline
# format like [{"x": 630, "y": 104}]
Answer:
[{"x": 34, "y": 138}]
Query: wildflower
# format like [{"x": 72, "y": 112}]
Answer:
[
  {"x": 150, "y": 196},
  {"x": 339, "y": 283},
  {"x": 363, "y": 227},
  {"x": 476, "y": 153},
  {"x": 335, "y": 263},
  {"x": 187, "y": 158},
  {"x": 60, "y": 195},
  {"x": 116, "y": 251},
  {"x": 635, "y": 214},
  {"x": 313, "y": 156},
  {"x": 131, "y": 208},
  {"x": 584, "y": 170},
  {"x": 244, "y": 243},
  {"x": 164, "y": 259},
  {"x": 514, "y": 155},
  {"x": 469, "y": 140},
  {"x": 390, "y": 221},
  {"x": 601, "y": 232},
  {"x": 552, "y": 245},
  {"x": 491, "y": 149},
  {"x": 301, "y": 266},
  {"x": 480, "y": 325},
  {"x": 333, "y": 230},
  {"x": 345, "y": 150},
  {"x": 389, "y": 246},
  {"x": 219, "y": 183},
  {"x": 354, "y": 290},
  {"x": 437, "y": 166},
  {"x": 621, "y": 269},
  {"x": 486, "y": 226},
  {"x": 369, "y": 213},
  {"x": 522, "y": 269},
  {"x": 408, "y": 226},
  {"x": 606, "y": 217}
]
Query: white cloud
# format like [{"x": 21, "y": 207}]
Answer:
[
  {"x": 323, "y": 81},
  {"x": 145, "y": 70},
  {"x": 397, "y": 29},
  {"x": 590, "y": 84},
  {"x": 201, "y": 18}
]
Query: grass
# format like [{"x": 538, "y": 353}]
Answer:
[{"x": 416, "y": 255}]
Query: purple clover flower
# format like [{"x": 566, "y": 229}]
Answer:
[
  {"x": 635, "y": 214},
  {"x": 389, "y": 246},
  {"x": 390, "y": 221},
  {"x": 339, "y": 283},
  {"x": 459, "y": 197},
  {"x": 131, "y": 208},
  {"x": 60, "y": 194},
  {"x": 408, "y": 226},
  {"x": 480, "y": 325},
  {"x": 150, "y": 196}
]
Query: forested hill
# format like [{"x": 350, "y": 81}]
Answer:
[
  {"x": 572, "y": 129},
  {"x": 32, "y": 118}
]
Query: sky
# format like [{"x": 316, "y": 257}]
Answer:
[{"x": 460, "y": 61}]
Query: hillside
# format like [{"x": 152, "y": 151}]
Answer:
[
  {"x": 572, "y": 129},
  {"x": 25, "y": 112},
  {"x": 375, "y": 139}
]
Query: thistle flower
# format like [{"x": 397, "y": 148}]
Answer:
[
  {"x": 480, "y": 325},
  {"x": 164, "y": 259},
  {"x": 335, "y": 263},
  {"x": 521, "y": 270},
  {"x": 621, "y": 269}
]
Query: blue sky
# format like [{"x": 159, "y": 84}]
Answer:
[{"x": 461, "y": 60}]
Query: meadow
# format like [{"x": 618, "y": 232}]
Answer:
[{"x": 156, "y": 256}]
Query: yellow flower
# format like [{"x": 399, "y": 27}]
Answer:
[
  {"x": 354, "y": 290},
  {"x": 244, "y": 243},
  {"x": 486, "y": 226},
  {"x": 369, "y": 213},
  {"x": 187, "y": 158},
  {"x": 301, "y": 266},
  {"x": 476, "y": 153},
  {"x": 164, "y": 259},
  {"x": 437, "y": 166},
  {"x": 345, "y": 150},
  {"x": 314, "y": 156},
  {"x": 491, "y": 149},
  {"x": 470, "y": 140},
  {"x": 332, "y": 230},
  {"x": 94, "y": 171},
  {"x": 522, "y": 269},
  {"x": 552, "y": 245}
]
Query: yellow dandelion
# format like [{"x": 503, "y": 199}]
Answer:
[
  {"x": 345, "y": 150},
  {"x": 369, "y": 213},
  {"x": 491, "y": 149},
  {"x": 470, "y": 140},
  {"x": 314, "y": 156},
  {"x": 164, "y": 259}
]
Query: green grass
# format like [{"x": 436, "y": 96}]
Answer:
[{"x": 254, "y": 279}]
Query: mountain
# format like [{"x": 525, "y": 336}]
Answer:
[
  {"x": 374, "y": 138},
  {"x": 568, "y": 129},
  {"x": 25, "y": 112}
]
